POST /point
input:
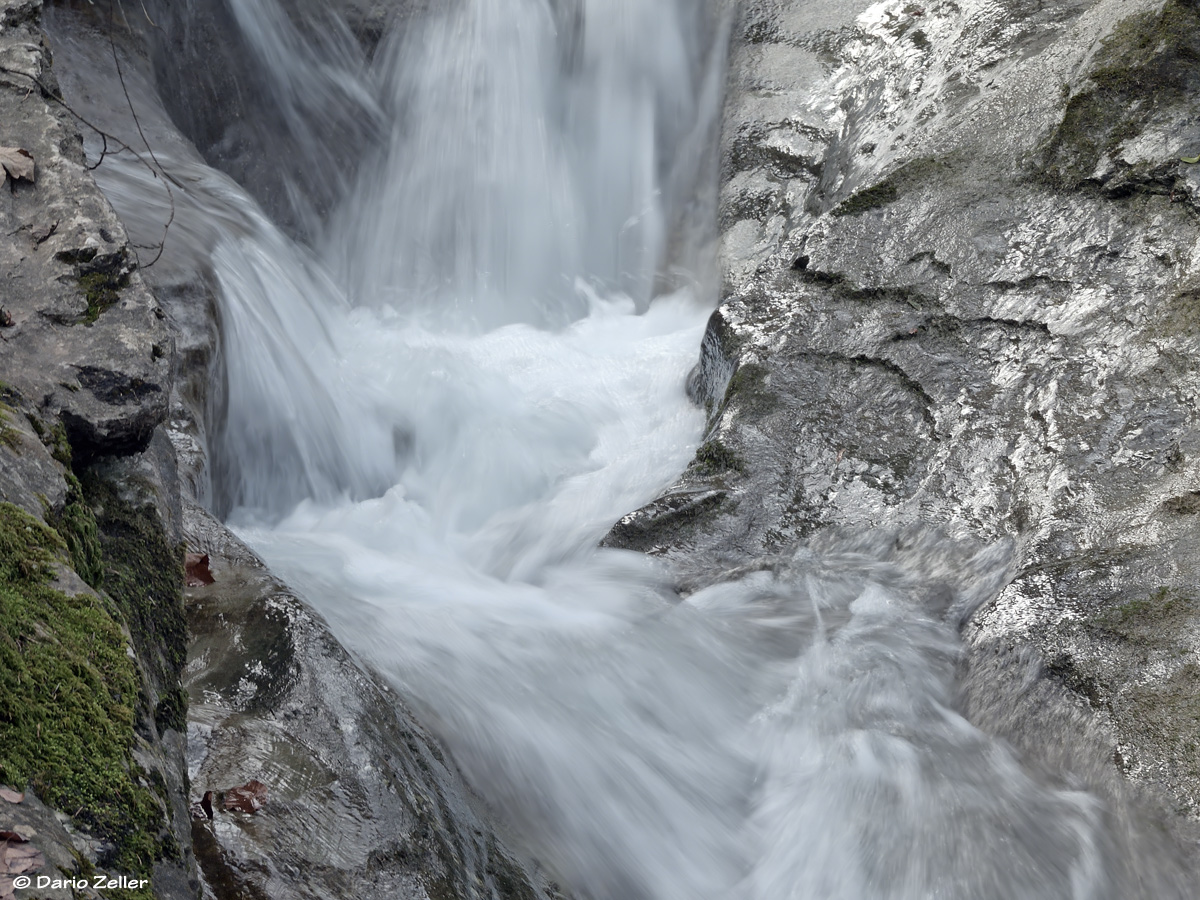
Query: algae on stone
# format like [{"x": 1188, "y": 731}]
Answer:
[
  {"x": 713, "y": 458},
  {"x": 68, "y": 689},
  {"x": 1150, "y": 61},
  {"x": 890, "y": 189},
  {"x": 143, "y": 573}
]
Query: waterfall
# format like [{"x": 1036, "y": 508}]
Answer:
[{"x": 435, "y": 411}]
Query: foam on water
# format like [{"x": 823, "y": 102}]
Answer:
[{"x": 432, "y": 421}]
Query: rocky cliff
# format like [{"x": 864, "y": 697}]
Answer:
[
  {"x": 111, "y": 382},
  {"x": 959, "y": 280},
  {"x": 959, "y": 299}
]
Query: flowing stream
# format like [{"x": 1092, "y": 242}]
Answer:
[{"x": 435, "y": 413}]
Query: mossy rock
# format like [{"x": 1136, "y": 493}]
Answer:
[
  {"x": 1149, "y": 62},
  {"x": 714, "y": 458},
  {"x": 1146, "y": 621},
  {"x": 748, "y": 388},
  {"x": 143, "y": 574},
  {"x": 9, "y": 436},
  {"x": 908, "y": 177},
  {"x": 76, "y": 525},
  {"x": 68, "y": 689}
]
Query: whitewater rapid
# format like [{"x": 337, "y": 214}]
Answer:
[{"x": 434, "y": 412}]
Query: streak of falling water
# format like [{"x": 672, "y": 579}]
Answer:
[{"x": 430, "y": 426}]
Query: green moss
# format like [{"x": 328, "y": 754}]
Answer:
[
  {"x": 1145, "y": 620},
  {"x": 713, "y": 458},
  {"x": 76, "y": 525},
  {"x": 9, "y": 436},
  {"x": 100, "y": 289},
  {"x": 748, "y": 388},
  {"x": 1150, "y": 61},
  {"x": 54, "y": 437},
  {"x": 910, "y": 175},
  {"x": 1167, "y": 710},
  {"x": 143, "y": 573},
  {"x": 1180, "y": 314},
  {"x": 171, "y": 710},
  {"x": 67, "y": 695}
]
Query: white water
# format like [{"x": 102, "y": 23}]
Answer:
[{"x": 433, "y": 421}]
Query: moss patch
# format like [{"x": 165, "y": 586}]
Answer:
[
  {"x": 714, "y": 457},
  {"x": 67, "y": 695},
  {"x": 77, "y": 527},
  {"x": 748, "y": 388},
  {"x": 100, "y": 289},
  {"x": 9, "y": 436},
  {"x": 1146, "y": 620},
  {"x": 1168, "y": 710},
  {"x": 1150, "y": 61},
  {"x": 143, "y": 573},
  {"x": 904, "y": 179}
]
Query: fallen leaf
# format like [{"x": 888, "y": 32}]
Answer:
[
  {"x": 198, "y": 573},
  {"x": 17, "y": 859},
  {"x": 7, "y": 793},
  {"x": 17, "y": 162},
  {"x": 14, "y": 837},
  {"x": 249, "y": 798},
  {"x": 1190, "y": 159}
]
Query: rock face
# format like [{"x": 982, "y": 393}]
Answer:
[
  {"x": 960, "y": 279},
  {"x": 91, "y": 605},
  {"x": 86, "y": 344},
  {"x": 362, "y": 803},
  {"x": 360, "y": 800}
]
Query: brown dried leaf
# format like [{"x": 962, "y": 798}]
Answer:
[
  {"x": 196, "y": 566},
  {"x": 17, "y": 161},
  {"x": 7, "y": 793},
  {"x": 249, "y": 798},
  {"x": 22, "y": 858},
  {"x": 13, "y": 836}
]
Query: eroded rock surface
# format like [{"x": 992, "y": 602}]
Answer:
[
  {"x": 92, "y": 602},
  {"x": 87, "y": 344},
  {"x": 361, "y": 802},
  {"x": 960, "y": 268}
]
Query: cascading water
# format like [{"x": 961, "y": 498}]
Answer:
[{"x": 431, "y": 424}]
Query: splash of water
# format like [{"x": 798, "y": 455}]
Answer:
[{"x": 431, "y": 423}]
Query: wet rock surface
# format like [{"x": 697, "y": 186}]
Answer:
[
  {"x": 86, "y": 345},
  {"x": 361, "y": 801},
  {"x": 86, "y": 363},
  {"x": 959, "y": 267}
]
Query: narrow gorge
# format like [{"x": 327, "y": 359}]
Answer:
[{"x": 599, "y": 449}]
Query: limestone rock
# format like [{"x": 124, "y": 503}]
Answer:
[{"x": 960, "y": 270}]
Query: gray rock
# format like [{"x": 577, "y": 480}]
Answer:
[
  {"x": 361, "y": 801},
  {"x": 87, "y": 344},
  {"x": 959, "y": 272}
]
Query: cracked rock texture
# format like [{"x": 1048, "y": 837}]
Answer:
[
  {"x": 86, "y": 361},
  {"x": 87, "y": 344},
  {"x": 960, "y": 281},
  {"x": 361, "y": 801}
]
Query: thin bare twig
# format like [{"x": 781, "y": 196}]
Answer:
[{"x": 112, "y": 42}]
